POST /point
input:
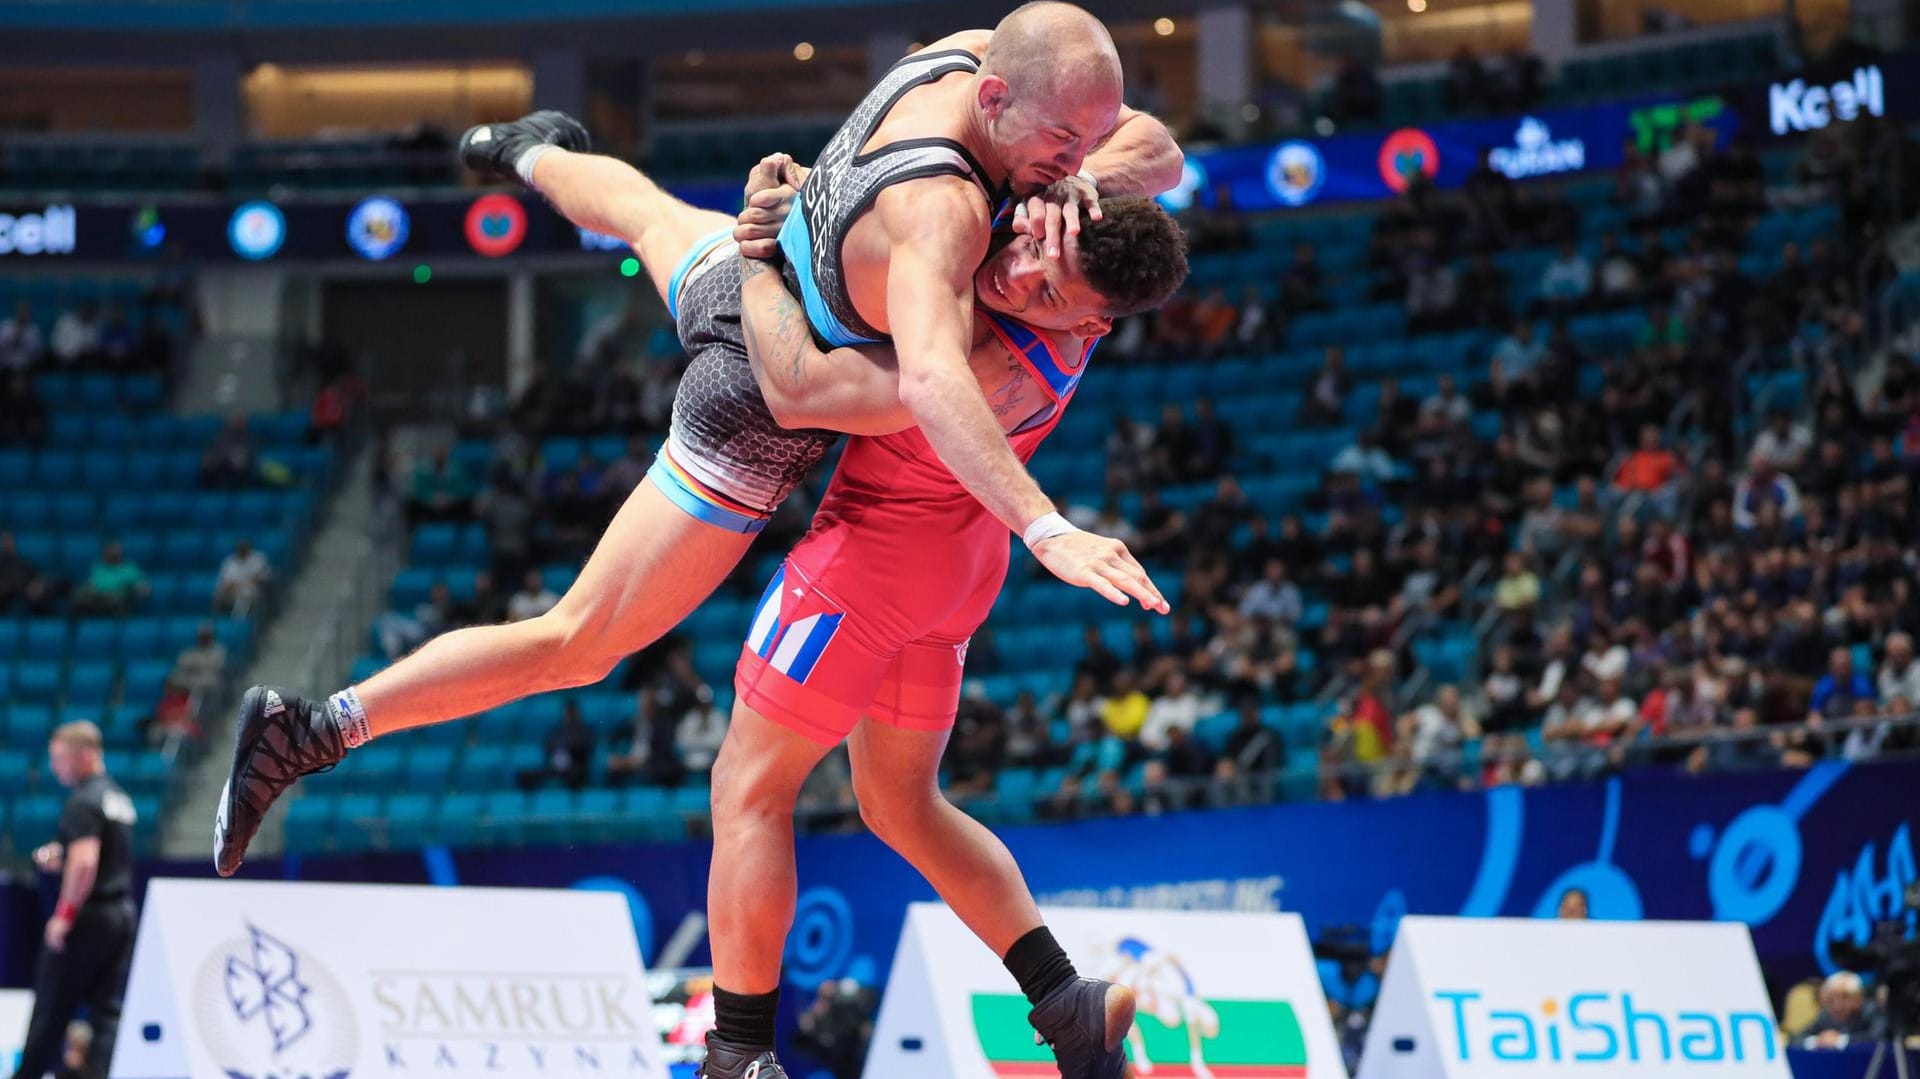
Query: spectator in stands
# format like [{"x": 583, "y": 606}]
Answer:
[
  {"x": 201, "y": 667},
  {"x": 1518, "y": 590},
  {"x": 702, "y": 729},
  {"x": 76, "y": 336},
  {"x": 1638, "y": 190},
  {"x": 401, "y": 633},
  {"x": 1618, "y": 277},
  {"x": 1211, "y": 442},
  {"x": 1835, "y": 693},
  {"x": 118, "y": 345},
  {"x": 485, "y": 606},
  {"x": 1178, "y": 705},
  {"x": 1567, "y": 280},
  {"x": 1326, "y": 401},
  {"x": 624, "y": 474},
  {"x": 1434, "y": 732},
  {"x": 1124, "y": 712},
  {"x": 1255, "y": 327},
  {"x": 331, "y": 404},
  {"x": 23, "y": 588},
  {"x": 243, "y": 574},
  {"x": 568, "y": 753},
  {"x": 1433, "y": 292},
  {"x": 114, "y": 585},
  {"x": 1300, "y": 285},
  {"x": 441, "y": 490},
  {"x": 1572, "y": 905},
  {"x": 1356, "y": 91},
  {"x": 1899, "y": 672},
  {"x": 1254, "y": 748},
  {"x": 1028, "y": 738},
  {"x": 1505, "y": 690},
  {"x": 1485, "y": 293},
  {"x": 1784, "y": 444},
  {"x": 1652, "y": 470},
  {"x": 21, "y": 343},
  {"x": 533, "y": 600},
  {"x": 1519, "y": 353},
  {"x": 1517, "y": 80},
  {"x": 1761, "y": 489},
  {"x": 1364, "y": 459},
  {"x": 1467, "y": 86},
  {"x": 1273, "y": 596},
  {"x": 1845, "y": 1015},
  {"x": 232, "y": 459}
]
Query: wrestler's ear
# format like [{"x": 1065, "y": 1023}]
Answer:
[
  {"x": 1093, "y": 326},
  {"x": 994, "y": 95}
]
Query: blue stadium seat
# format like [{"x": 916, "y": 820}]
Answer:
[{"x": 45, "y": 639}]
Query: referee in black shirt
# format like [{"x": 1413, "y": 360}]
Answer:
[{"x": 90, "y": 936}]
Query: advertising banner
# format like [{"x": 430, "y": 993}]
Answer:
[
  {"x": 1534, "y": 999},
  {"x": 1219, "y": 994},
  {"x": 253, "y": 980}
]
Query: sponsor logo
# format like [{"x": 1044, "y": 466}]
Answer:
[
  {"x": 1296, "y": 172},
  {"x": 1795, "y": 106},
  {"x": 496, "y": 224},
  {"x": 377, "y": 228},
  {"x": 1535, "y": 152},
  {"x": 1405, "y": 154},
  {"x": 1864, "y": 897},
  {"x": 1597, "y": 1027},
  {"x": 266, "y": 1009},
  {"x": 1655, "y": 127},
  {"x": 1178, "y": 1030},
  {"x": 52, "y": 231}
]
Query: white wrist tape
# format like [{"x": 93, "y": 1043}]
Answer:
[
  {"x": 1087, "y": 175},
  {"x": 1045, "y": 527},
  {"x": 525, "y": 162}
]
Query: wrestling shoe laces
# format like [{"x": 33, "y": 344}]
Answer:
[{"x": 280, "y": 738}]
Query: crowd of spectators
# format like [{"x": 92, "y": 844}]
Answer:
[
  {"x": 82, "y": 338},
  {"x": 675, "y": 732}
]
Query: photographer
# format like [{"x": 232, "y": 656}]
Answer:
[{"x": 836, "y": 1028}]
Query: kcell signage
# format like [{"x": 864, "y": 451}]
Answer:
[
  {"x": 1796, "y": 107},
  {"x": 52, "y": 230}
]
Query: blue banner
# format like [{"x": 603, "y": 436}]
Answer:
[
  {"x": 1380, "y": 165},
  {"x": 1812, "y": 860}
]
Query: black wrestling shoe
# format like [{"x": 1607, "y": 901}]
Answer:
[
  {"x": 281, "y": 738},
  {"x": 1086, "y": 1022},
  {"x": 491, "y": 149},
  {"x": 726, "y": 1062}
]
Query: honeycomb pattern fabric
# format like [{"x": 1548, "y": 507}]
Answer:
[{"x": 722, "y": 432}]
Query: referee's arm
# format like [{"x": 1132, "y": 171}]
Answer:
[{"x": 76, "y": 884}]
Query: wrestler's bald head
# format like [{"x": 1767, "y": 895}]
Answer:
[
  {"x": 1050, "y": 86},
  {"x": 1054, "y": 48}
]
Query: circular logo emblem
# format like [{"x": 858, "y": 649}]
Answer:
[
  {"x": 1407, "y": 153},
  {"x": 266, "y": 1008},
  {"x": 1296, "y": 172},
  {"x": 1193, "y": 180},
  {"x": 377, "y": 227},
  {"x": 256, "y": 230},
  {"x": 496, "y": 224}
]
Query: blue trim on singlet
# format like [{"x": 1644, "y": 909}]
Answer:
[
  {"x": 701, "y": 249},
  {"x": 669, "y": 482},
  {"x": 1039, "y": 353},
  {"x": 796, "y": 242}
]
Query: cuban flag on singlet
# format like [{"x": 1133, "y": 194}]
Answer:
[{"x": 792, "y": 626}]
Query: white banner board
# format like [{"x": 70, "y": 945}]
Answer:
[
  {"x": 16, "y": 1008},
  {"x": 1515, "y": 998},
  {"x": 264, "y": 980},
  {"x": 1220, "y": 994}
]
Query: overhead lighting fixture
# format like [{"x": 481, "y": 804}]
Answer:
[
  {"x": 1163, "y": 26},
  {"x": 803, "y": 51},
  {"x": 1416, "y": 6}
]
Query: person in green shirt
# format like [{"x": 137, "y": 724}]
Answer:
[{"x": 113, "y": 586}]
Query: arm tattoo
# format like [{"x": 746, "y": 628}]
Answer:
[{"x": 778, "y": 325}]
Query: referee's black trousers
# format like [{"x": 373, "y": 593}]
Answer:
[{"x": 91, "y": 970}]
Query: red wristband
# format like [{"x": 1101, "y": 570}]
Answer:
[{"x": 65, "y": 911}]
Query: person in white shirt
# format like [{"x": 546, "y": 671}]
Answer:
[
  {"x": 1177, "y": 706},
  {"x": 242, "y": 575},
  {"x": 1272, "y": 596},
  {"x": 1439, "y": 726},
  {"x": 21, "y": 342},
  {"x": 1447, "y": 404},
  {"x": 1568, "y": 278},
  {"x": 76, "y": 335},
  {"x": 1364, "y": 458},
  {"x": 700, "y": 733},
  {"x": 1605, "y": 661},
  {"x": 1784, "y": 444},
  {"x": 1899, "y": 674},
  {"x": 533, "y": 600}
]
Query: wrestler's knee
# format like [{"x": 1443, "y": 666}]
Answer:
[{"x": 893, "y": 808}]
